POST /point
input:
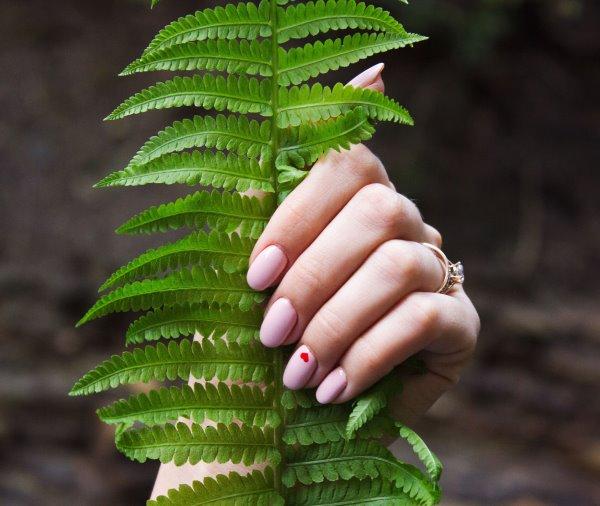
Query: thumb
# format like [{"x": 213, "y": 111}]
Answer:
[{"x": 370, "y": 78}]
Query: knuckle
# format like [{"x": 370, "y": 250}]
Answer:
[
  {"x": 307, "y": 275},
  {"x": 380, "y": 206},
  {"x": 397, "y": 261},
  {"x": 328, "y": 329},
  {"x": 427, "y": 312},
  {"x": 371, "y": 358}
]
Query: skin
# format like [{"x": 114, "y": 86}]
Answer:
[{"x": 362, "y": 287}]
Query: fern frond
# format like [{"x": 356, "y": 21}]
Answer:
[
  {"x": 232, "y": 56},
  {"x": 312, "y": 18},
  {"x": 426, "y": 456},
  {"x": 225, "y": 212},
  {"x": 309, "y": 142},
  {"x": 233, "y": 133},
  {"x": 234, "y": 93},
  {"x": 230, "y": 172},
  {"x": 355, "y": 459},
  {"x": 255, "y": 489},
  {"x": 291, "y": 399},
  {"x": 243, "y": 20},
  {"x": 302, "y": 63},
  {"x": 219, "y": 403},
  {"x": 181, "y": 444},
  {"x": 220, "y": 251},
  {"x": 187, "y": 319},
  {"x": 184, "y": 287},
  {"x": 376, "y": 492},
  {"x": 303, "y": 104},
  {"x": 178, "y": 361}
]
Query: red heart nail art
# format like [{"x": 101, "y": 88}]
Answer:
[{"x": 304, "y": 356}]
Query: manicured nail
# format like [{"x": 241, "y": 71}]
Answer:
[
  {"x": 278, "y": 323},
  {"x": 299, "y": 369},
  {"x": 266, "y": 268},
  {"x": 368, "y": 76},
  {"x": 332, "y": 386}
]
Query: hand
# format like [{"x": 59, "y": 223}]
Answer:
[{"x": 356, "y": 286}]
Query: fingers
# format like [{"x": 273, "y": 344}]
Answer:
[
  {"x": 394, "y": 269},
  {"x": 375, "y": 215},
  {"x": 328, "y": 187},
  {"x": 420, "y": 322}
]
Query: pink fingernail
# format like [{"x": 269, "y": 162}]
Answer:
[
  {"x": 278, "y": 323},
  {"x": 299, "y": 369},
  {"x": 332, "y": 386},
  {"x": 266, "y": 268},
  {"x": 368, "y": 76}
]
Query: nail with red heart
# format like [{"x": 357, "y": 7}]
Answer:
[{"x": 300, "y": 368}]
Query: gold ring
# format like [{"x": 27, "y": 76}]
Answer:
[{"x": 454, "y": 273}]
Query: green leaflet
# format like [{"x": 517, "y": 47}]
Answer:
[
  {"x": 244, "y": 21},
  {"x": 376, "y": 492},
  {"x": 182, "y": 444},
  {"x": 225, "y": 212},
  {"x": 185, "y": 286},
  {"x": 255, "y": 489},
  {"x": 187, "y": 319},
  {"x": 200, "y": 315},
  {"x": 315, "y": 103},
  {"x": 229, "y": 172},
  {"x": 234, "y": 133},
  {"x": 221, "y": 251},
  {"x": 224, "y": 361},
  {"x": 311, "y": 18},
  {"x": 302, "y": 63},
  {"x": 217, "y": 403},
  {"x": 233, "y": 56},
  {"x": 426, "y": 456},
  {"x": 234, "y": 93},
  {"x": 355, "y": 459}
]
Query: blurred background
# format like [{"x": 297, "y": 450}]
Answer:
[{"x": 503, "y": 159}]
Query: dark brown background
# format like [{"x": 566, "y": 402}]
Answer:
[{"x": 503, "y": 159}]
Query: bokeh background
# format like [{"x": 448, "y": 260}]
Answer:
[{"x": 503, "y": 159}]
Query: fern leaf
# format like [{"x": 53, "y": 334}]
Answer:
[
  {"x": 312, "y": 18},
  {"x": 220, "y": 251},
  {"x": 426, "y": 456},
  {"x": 292, "y": 399},
  {"x": 255, "y": 489},
  {"x": 376, "y": 492},
  {"x": 186, "y": 286},
  {"x": 185, "y": 320},
  {"x": 235, "y": 94},
  {"x": 181, "y": 444},
  {"x": 315, "y": 103},
  {"x": 229, "y": 172},
  {"x": 310, "y": 142},
  {"x": 178, "y": 361},
  {"x": 219, "y": 403},
  {"x": 232, "y": 56},
  {"x": 355, "y": 459},
  {"x": 224, "y": 212},
  {"x": 244, "y": 20},
  {"x": 302, "y": 63},
  {"x": 234, "y": 133}
]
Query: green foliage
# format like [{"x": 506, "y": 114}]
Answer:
[{"x": 200, "y": 317}]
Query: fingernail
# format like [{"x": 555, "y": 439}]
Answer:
[
  {"x": 266, "y": 268},
  {"x": 332, "y": 386},
  {"x": 368, "y": 76},
  {"x": 299, "y": 369},
  {"x": 278, "y": 323}
]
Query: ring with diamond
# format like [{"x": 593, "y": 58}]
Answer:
[{"x": 454, "y": 273}]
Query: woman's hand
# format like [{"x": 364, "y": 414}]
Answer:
[{"x": 355, "y": 286}]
